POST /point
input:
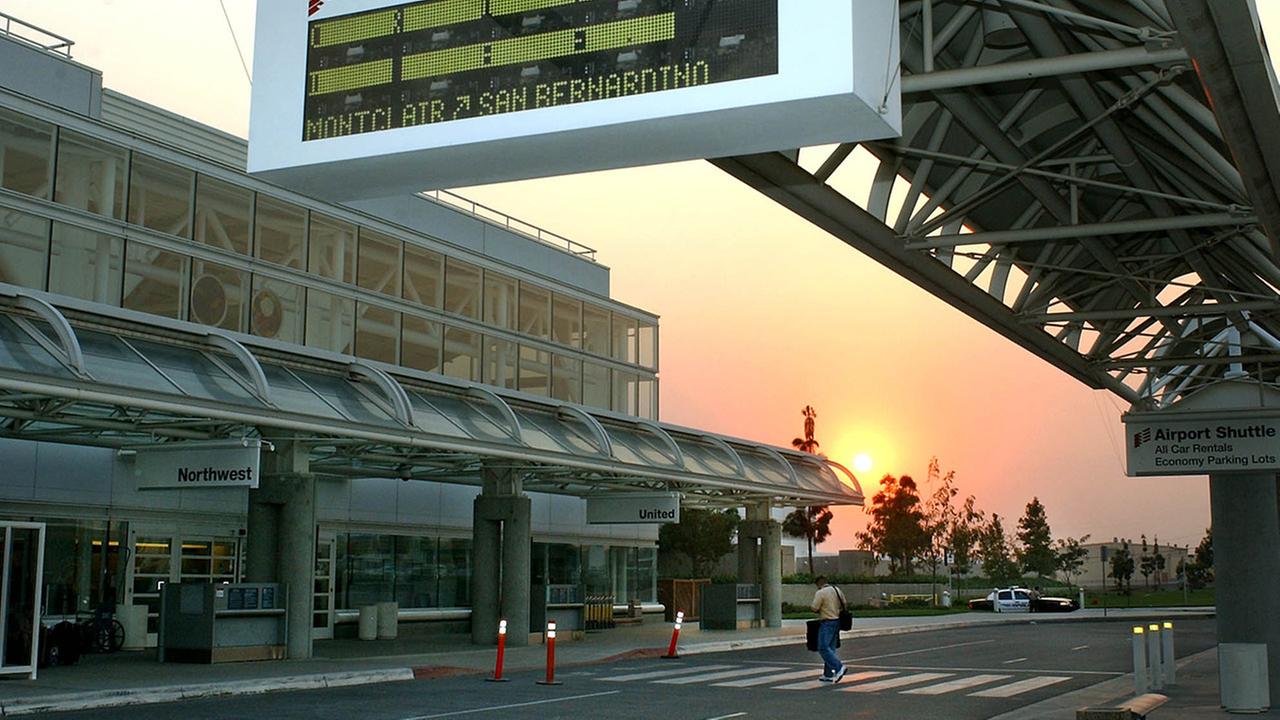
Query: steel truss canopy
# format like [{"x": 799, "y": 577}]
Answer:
[
  {"x": 1094, "y": 179},
  {"x": 75, "y": 377}
]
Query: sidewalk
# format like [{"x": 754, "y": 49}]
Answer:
[{"x": 136, "y": 678}]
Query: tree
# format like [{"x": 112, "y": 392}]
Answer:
[
  {"x": 1159, "y": 562},
  {"x": 812, "y": 523},
  {"x": 965, "y": 533},
  {"x": 1122, "y": 567},
  {"x": 1036, "y": 554},
  {"x": 1146, "y": 564},
  {"x": 997, "y": 561},
  {"x": 1069, "y": 557},
  {"x": 896, "y": 529},
  {"x": 1198, "y": 571},
  {"x": 703, "y": 536},
  {"x": 939, "y": 516}
]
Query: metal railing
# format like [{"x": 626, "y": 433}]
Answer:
[
  {"x": 503, "y": 220},
  {"x": 48, "y": 41}
]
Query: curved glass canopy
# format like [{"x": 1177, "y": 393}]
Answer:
[{"x": 90, "y": 382}]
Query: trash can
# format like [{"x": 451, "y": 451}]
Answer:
[
  {"x": 946, "y": 598},
  {"x": 133, "y": 618},
  {"x": 368, "y": 623},
  {"x": 388, "y": 617}
]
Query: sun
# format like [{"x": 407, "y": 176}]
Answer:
[{"x": 862, "y": 462}]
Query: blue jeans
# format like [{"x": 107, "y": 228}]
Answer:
[{"x": 828, "y": 631}]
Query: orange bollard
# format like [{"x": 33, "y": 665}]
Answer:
[
  {"x": 551, "y": 655},
  {"x": 502, "y": 648},
  {"x": 675, "y": 636}
]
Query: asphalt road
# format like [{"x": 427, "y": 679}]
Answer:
[{"x": 973, "y": 673}]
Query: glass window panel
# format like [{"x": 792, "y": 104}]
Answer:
[
  {"x": 90, "y": 175},
  {"x": 566, "y": 378},
  {"x": 26, "y": 154},
  {"x": 160, "y": 196},
  {"x": 462, "y": 288},
  {"x": 455, "y": 572},
  {"x": 85, "y": 264},
  {"x": 535, "y": 371},
  {"x": 566, "y": 321},
  {"x": 280, "y": 229},
  {"x": 596, "y": 578},
  {"x": 219, "y": 295},
  {"x": 423, "y": 276},
  {"x": 535, "y": 311},
  {"x": 624, "y": 338},
  {"x": 648, "y": 340},
  {"x": 377, "y": 333},
  {"x": 499, "y": 300},
  {"x": 501, "y": 362},
  {"x": 647, "y": 399},
  {"x": 332, "y": 248},
  {"x": 420, "y": 344},
  {"x": 276, "y": 310},
  {"x": 292, "y": 395},
  {"x": 595, "y": 330},
  {"x": 379, "y": 265},
  {"x": 462, "y": 354},
  {"x": 624, "y": 392},
  {"x": 415, "y": 572},
  {"x": 155, "y": 280},
  {"x": 223, "y": 214},
  {"x": 595, "y": 385},
  {"x": 24, "y": 246},
  {"x": 193, "y": 372},
  {"x": 365, "y": 568},
  {"x": 330, "y": 321},
  {"x": 564, "y": 564},
  {"x": 20, "y": 351},
  {"x": 342, "y": 394}
]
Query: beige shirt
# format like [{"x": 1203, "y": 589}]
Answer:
[{"x": 826, "y": 603}]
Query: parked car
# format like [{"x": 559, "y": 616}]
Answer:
[{"x": 1022, "y": 600}]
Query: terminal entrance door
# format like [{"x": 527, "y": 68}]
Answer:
[
  {"x": 22, "y": 565},
  {"x": 322, "y": 605}
]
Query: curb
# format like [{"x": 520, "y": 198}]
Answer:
[{"x": 172, "y": 693}]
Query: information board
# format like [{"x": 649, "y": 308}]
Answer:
[{"x": 369, "y": 98}]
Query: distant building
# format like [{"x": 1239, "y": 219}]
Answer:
[{"x": 1097, "y": 564}]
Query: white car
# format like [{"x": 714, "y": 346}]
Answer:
[{"x": 1021, "y": 600}]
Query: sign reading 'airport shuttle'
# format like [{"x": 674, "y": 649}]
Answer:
[
  {"x": 1200, "y": 447},
  {"x": 366, "y": 98},
  {"x": 633, "y": 508},
  {"x": 229, "y": 463}
]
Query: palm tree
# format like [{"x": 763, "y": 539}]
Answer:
[
  {"x": 807, "y": 443},
  {"x": 812, "y": 523}
]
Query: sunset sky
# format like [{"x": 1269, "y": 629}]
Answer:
[{"x": 761, "y": 313}]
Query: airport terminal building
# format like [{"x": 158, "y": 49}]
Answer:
[{"x": 429, "y": 389}]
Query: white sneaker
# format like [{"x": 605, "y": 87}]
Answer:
[
  {"x": 839, "y": 674},
  {"x": 824, "y": 678}
]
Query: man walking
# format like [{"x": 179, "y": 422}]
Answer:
[{"x": 828, "y": 602}]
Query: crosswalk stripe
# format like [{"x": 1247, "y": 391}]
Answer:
[
  {"x": 955, "y": 685},
  {"x": 769, "y": 679},
  {"x": 896, "y": 682},
  {"x": 721, "y": 675},
  {"x": 849, "y": 678},
  {"x": 666, "y": 673},
  {"x": 1022, "y": 686}
]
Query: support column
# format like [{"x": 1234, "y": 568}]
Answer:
[
  {"x": 1246, "y": 535},
  {"x": 517, "y": 547},
  {"x": 501, "y": 570},
  {"x": 485, "y": 567},
  {"x": 282, "y": 536},
  {"x": 260, "y": 542},
  {"x": 771, "y": 574}
]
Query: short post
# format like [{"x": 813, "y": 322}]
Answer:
[
  {"x": 1140, "y": 685},
  {"x": 502, "y": 648},
  {"x": 675, "y": 636},
  {"x": 1170, "y": 660},
  {"x": 551, "y": 655},
  {"x": 1156, "y": 676}
]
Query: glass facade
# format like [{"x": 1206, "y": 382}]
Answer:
[
  {"x": 416, "y": 572},
  {"x": 207, "y": 249}
]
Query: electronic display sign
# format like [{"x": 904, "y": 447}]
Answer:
[{"x": 368, "y": 98}]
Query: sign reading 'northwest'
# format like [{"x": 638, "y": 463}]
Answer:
[
  {"x": 232, "y": 463},
  {"x": 1199, "y": 447}
]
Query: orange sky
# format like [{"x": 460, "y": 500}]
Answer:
[{"x": 761, "y": 313}]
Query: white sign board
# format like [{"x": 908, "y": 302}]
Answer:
[
  {"x": 647, "y": 509},
  {"x": 1200, "y": 447},
  {"x": 221, "y": 463},
  {"x": 369, "y": 98}
]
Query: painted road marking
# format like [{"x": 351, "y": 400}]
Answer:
[
  {"x": 1081, "y": 647},
  {"x": 851, "y": 677},
  {"x": 723, "y": 674},
  {"x": 956, "y": 685},
  {"x": 921, "y": 650},
  {"x": 1022, "y": 686},
  {"x": 726, "y": 717},
  {"x": 491, "y": 708},
  {"x": 897, "y": 682},
  {"x": 769, "y": 679},
  {"x": 665, "y": 673},
  {"x": 1014, "y": 661}
]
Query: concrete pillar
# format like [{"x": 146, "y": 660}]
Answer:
[
  {"x": 282, "y": 536},
  {"x": 771, "y": 574},
  {"x": 1246, "y": 535},
  {"x": 517, "y": 547},
  {"x": 485, "y": 571},
  {"x": 260, "y": 542}
]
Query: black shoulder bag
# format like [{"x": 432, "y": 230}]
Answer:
[{"x": 846, "y": 617}]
